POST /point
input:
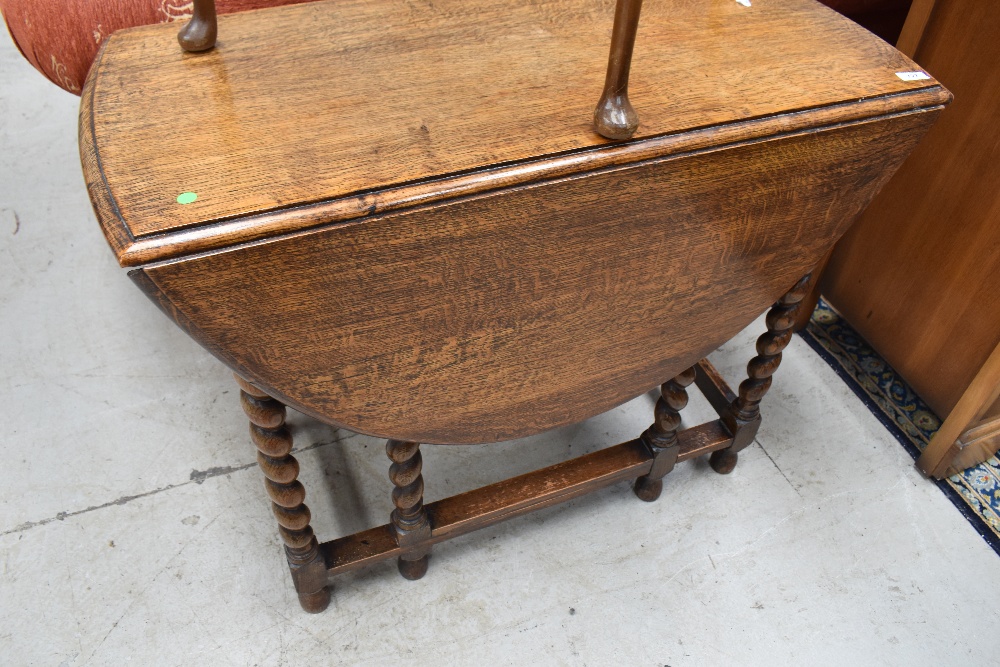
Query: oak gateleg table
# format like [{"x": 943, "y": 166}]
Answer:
[{"x": 409, "y": 220}]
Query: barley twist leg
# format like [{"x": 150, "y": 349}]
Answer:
[
  {"x": 409, "y": 520},
  {"x": 281, "y": 471},
  {"x": 661, "y": 437},
  {"x": 743, "y": 418}
]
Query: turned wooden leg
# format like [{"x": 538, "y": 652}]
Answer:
[
  {"x": 281, "y": 471},
  {"x": 743, "y": 417},
  {"x": 201, "y": 32},
  {"x": 661, "y": 437},
  {"x": 614, "y": 117},
  {"x": 409, "y": 519}
]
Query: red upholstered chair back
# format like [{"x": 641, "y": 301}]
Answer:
[{"x": 61, "y": 38}]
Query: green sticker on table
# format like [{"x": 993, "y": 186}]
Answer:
[{"x": 187, "y": 198}]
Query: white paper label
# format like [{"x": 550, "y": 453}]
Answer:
[
  {"x": 745, "y": 3},
  {"x": 913, "y": 76}
]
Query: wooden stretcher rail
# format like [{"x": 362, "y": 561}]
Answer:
[
  {"x": 535, "y": 490},
  {"x": 713, "y": 386}
]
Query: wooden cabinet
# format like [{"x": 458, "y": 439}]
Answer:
[{"x": 919, "y": 274}]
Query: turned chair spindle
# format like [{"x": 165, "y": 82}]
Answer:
[{"x": 614, "y": 117}]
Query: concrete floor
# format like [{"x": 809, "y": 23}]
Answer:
[{"x": 134, "y": 527}]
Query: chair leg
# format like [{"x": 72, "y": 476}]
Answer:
[
  {"x": 661, "y": 437},
  {"x": 743, "y": 417},
  {"x": 281, "y": 471},
  {"x": 410, "y": 522},
  {"x": 202, "y": 31}
]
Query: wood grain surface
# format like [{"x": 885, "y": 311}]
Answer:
[
  {"x": 919, "y": 275},
  {"x": 914, "y": 26},
  {"x": 396, "y": 92},
  {"x": 406, "y": 226},
  {"x": 970, "y": 435},
  {"x": 510, "y": 313}
]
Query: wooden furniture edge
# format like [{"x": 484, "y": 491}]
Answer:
[
  {"x": 914, "y": 27},
  {"x": 977, "y": 445},
  {"x": 694, "y": 441},
  {"x": 217, "y": 234},
  {"x": 108, "y": 216},
  {"x": 812, "y": 299},
  {"x": 963, "y": 441},
  {"x": 163, "y": 302},
  {"x": 908, "y": 42}
]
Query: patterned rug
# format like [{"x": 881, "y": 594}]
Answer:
[{"x": 976, "y": 491}]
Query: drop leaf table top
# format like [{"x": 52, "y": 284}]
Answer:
[
  {"x": 355, "y": 116},
  {"x": 419, "y": 188}
]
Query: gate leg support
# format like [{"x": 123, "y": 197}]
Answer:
[
  {"x": 409, "y": 520},
  {"x": 281, "y": 472},
  {"x": 661, "y": 437},
  {"x": 743, "y": 417}
]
